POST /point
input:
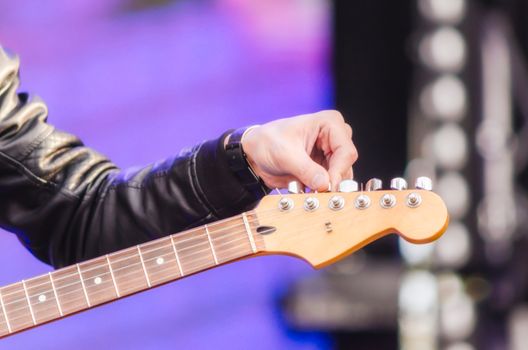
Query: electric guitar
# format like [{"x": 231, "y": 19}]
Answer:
[{"x": 320, "y": 228}]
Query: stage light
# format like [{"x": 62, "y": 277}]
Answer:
[
  {"x": 492, "y": 139},
  {"x": 454, "y": 189},
  {"x": 447, "y": 145},
  {"x": 457, "y": 311},
  {"x": 414, "y": 254},
  {"x": 453, "y": 250},
  {"x": 443, "y": 11},
  {"x": 460, "y": 346},
  {"x": 418, "y": 305},
  {"x": 418, "y": 293},
  {"x": 444, "y": 99},
  {"x": 517, "y": 326},
  {"x": 443, "y": 50}
]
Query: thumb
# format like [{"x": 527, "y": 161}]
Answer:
[{"x": 309, "y": 172}]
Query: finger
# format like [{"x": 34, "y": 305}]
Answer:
[
  {"x": 307, "y": 171},
  {"x": 277, "y": 182},
  {"x": 344, "y": 154},
  {"x": 349, "y": 174}
]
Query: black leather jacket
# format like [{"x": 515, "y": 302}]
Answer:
[{"x": 68, "y": 203}]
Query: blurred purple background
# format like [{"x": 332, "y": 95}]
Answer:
[{"x": 139, "y": 83}]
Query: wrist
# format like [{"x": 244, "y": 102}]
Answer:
[{"x": 239, "y": 162}]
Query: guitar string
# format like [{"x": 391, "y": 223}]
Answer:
[
  {"x": 104, "y": 264},
  {"x": 178, "y": 235},
  {"x": 195, "y": 268},
  {"x": 199, "y": 232},
  {"x": 79, "y": 291},
  {"x": 54, "y": 307},
  {"x": 289, "y": 238},
  {"x": 106, "y": 289}
]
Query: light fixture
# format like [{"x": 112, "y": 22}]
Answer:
[
  {"x": 443, "y": 11},
  {"x": 444, "y": 99},
  {"x": 443, "y": 50}
]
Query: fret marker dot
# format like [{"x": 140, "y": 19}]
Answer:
[
  {"x": 98, "y": 280},
  {"x": 160, "y": 261},
  {"x": 42, "y": 298}
]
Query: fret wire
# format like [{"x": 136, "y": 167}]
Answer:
[
  {"x": 199, "y": 266},
  {"x": 112, "y": 274},
  {"x": 5, "y": 313},
  {"x": 226, "y": 249},
  {"x": 176, "y": 255},
  {"x": 249, "y": 233},
  {"x": 211, "y": 244},
  {"x": 181, "y": 234},
  {"x": 143, "y": 265},
  {"x": 29, "y": 303},
  {"x": 55, "y": 293},
  {"x": 83, "y": 286}
]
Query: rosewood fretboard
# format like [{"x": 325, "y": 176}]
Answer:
[{"x": 72, "y": 289}]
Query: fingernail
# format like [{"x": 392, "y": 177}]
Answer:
[{"x": 319, "y": 181}]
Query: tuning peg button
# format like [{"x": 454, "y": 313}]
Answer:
[
  {"x": 398, "y": 184},
  {"x": 348, "y": 186},
  {"x": 295, "y": 187},
  {"x": 423, "y": 183},
  {"x": 374, "y": 185}
]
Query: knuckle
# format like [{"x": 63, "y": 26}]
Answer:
[
  {"x": 351, "y": 155},
  {"x": 348, "y": 130},
  {"x": 333, "y": 115}
]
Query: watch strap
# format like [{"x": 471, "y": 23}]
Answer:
[{"x": 239, "y": 164}]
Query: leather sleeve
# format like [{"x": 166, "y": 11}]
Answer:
[{"x": 68, "y": 203}]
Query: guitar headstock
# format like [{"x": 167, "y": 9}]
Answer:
[{"x": 321, "y": 228}]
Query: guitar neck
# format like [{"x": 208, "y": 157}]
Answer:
[
  {"x": 98, "y": 281},
  {"x": 320, "y": 228}
]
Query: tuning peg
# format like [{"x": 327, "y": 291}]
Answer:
[
  {"x": 348, "y": 186},
  {"x": 295, "y": 187},
  {"x": 374, "y": 184},
  {"x": 398, "y": 183},
  {"x": 423, "y": 183}
]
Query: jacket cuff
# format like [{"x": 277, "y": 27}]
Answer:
[{"x": 222, "y": 189}]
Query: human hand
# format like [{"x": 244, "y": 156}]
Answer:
[{"x": 315, "y": 149}]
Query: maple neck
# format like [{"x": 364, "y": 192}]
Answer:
[
  {"x": 75, "y": 288},
  {"x": 320, "y": 228}
]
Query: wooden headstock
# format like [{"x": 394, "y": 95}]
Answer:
[{"x": 329, "y": 232}]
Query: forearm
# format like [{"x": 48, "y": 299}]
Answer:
[{"x": 68, "y": 203}]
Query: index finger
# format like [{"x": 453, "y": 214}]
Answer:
[{"x": 343, "y": 153}]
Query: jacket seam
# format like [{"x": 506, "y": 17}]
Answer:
[
  {"x": 195, "y": 183},
  {"x": 33, "y": 145},
  {"x": 31, "y": 176}
]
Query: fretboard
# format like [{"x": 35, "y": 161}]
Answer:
[{"x": 72, "y": 289}]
